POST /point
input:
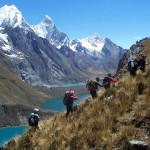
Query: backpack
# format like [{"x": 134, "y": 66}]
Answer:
[
  {"x": 33, "y": 120},
  {"x": 130, "y": 65},
  {"x": 65, "y": 99},
  {"x": 91, "y": 85}
]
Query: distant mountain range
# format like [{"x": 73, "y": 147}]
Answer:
[{"x": 43, "y": 55}]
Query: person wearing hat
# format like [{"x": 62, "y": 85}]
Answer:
[{"x": 33, "y": 120}]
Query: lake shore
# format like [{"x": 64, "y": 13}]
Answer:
[
  {"x": 17, "y": 114},
  {"x": 57, "y": 91}
]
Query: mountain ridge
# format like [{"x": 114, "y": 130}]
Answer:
[{"x": 52, "y": 64}]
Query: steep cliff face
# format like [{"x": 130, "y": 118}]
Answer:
[
  {"x": 112, "y": 55},
  {"x": 37, "y": 61},
  {"x": 91, "y": 54}
]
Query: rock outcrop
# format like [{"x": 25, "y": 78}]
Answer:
[{"x": 16, "y": 115}]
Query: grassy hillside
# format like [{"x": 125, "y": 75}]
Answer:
[
  {"x": 106, "y": 123},
  {"x": 15, "y": 91}
]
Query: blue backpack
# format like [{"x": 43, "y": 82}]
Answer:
[{"x": 33, "y": 120}]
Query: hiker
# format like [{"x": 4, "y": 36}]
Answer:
[
  {"x": 92, "y": 86},
  {"x": 142, "y": 63},
  {"x": 69, "y": 100},
  {"x": 34, "y": 119},
  {"x": 133, "y": 66},
  {"x": 107, "y": 80}
]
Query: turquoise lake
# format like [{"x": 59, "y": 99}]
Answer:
[
  {"x": 57, "y": 103},
  {"x": 6, "y": 134},
  {"x": 73, "y": 84}
]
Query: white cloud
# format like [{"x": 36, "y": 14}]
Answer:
[{"x": 137, "y": 38}]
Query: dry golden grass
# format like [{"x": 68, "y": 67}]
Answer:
[
  {"x": 96, "y": 124},
  {"x": 102, "y": 123}
]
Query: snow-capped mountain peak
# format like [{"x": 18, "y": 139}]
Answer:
[
  {"x": 47, "y": 20},
  {"x": 94, "y": 37},
  {"x": 11, "y": 8},
  {"x": 93, "y": 43},
  {"x": 43, "y": 28},
  {"x": 11, "y": 16},
  {"x": 47, "y": 29},
  {"x": 74, "y": 61}
]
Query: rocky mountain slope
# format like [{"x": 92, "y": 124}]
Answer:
[
  {"x": 44, "y": 56},
  {"x": 115, "y": 120},
  {"x": 17, "y": 98},
  {"x": 93, "y": 48},
  {"x": 133, "y": 52},
  {"x": 15, "y": 91}
]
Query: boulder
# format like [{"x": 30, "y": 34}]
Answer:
[{"x": 138, "y": 145}]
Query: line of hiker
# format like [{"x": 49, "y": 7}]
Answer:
[
  {"x": 137, "y": 63},
  {"x": 70, "y": 97},
  {"x": 92, "y": 85}
]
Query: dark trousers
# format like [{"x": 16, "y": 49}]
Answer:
[
  {"x": 107, "y": 86},
  {"x": 133, "y": 72},
  {"x": 142, "y": 68},
  {"x": 69, "y": 109},
  {"x": 93, "y": 94}
]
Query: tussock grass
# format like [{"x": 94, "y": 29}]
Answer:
[
  {"x": 103, "y": 123},
  {"x": 99, "y": 123}
]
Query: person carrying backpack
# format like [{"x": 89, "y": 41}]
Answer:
[
  {"x": 130, "y": 65},
  {"x": 92, "y": 86},
  {"x": 34, "y": 119},
  {"x": 133, "y": 66},
  {"x": 107, "y": 80},
  {"x": 68, "y": 100},
  {"x": 142, "y": 63}
]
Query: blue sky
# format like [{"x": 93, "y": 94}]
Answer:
[{"x": 122, "y": 21}]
